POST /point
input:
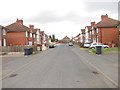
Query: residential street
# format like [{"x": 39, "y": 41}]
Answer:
[{"x": 61, "y": 67}]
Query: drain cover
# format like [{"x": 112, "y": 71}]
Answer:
[
  {"x": 94, "y": 72},
  {"x": 13, "y": 75}
]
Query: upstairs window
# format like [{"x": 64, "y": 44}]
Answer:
[
  {"x": 26, "y": 34},
  {"x": 30, "y": 34},
  {"x": 4, "y": 32},
  {"x": 92, "y": 31},
  {"x": 97, "y": 30}
]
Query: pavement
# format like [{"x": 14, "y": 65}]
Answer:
[{"x": 61, "y": 67}]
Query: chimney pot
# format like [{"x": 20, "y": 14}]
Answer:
[
  {"x": 19, "y": 21},
  {"x": 31, "y": 26},
  {"x": 92, "y": 23},
  {"x": 104, "y": 17}
]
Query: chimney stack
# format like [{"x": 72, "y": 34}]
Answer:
[
  {"x": 31, "y": 26},
  {"x": 104, "y": 17},
  {"x": 92, "y": 23},
  {"x": 19, "y": 21}
]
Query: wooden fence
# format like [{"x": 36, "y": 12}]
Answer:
[{"x": 16, "y": 48}]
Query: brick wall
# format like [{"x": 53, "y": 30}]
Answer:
[
  {"x": 108, "y": 35},
  {"x": 16, "y": 38}
]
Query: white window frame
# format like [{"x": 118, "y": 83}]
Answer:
[
  {"x": 4, "y": 41},
  {"x": 92, "y": 31},
  {"x": 26, "y": 34},
  {"x": 97, "y": 30},
  {"x": 4, "y": 32},
  {"x": 33, "y": 35},
  {"x": 0, "y": 42},
  {"x": 30, "y": 34}
]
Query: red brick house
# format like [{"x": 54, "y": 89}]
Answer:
[
  {"x": 18, "y": 34},
  {"x": 3, "y": 32},
  {"x": 106, "y": 31},
  {"x": 66, "y": 39}
]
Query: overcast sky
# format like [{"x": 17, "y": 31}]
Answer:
[{"x": 59, "y": 17}]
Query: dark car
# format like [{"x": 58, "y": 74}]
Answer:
[{"x": 51, "y": 46}]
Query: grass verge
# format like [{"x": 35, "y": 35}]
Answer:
[{"x": 105, "y": 49}]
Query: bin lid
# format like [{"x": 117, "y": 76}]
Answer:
[{"x": 26, "y": 48}]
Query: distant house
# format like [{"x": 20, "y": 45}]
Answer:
[
  {"x": 66, "y": 39},
  {"x": 88, "y": 32},
  {"x": 3, "y": 33},
  {"x": 106, "y": 31},
  {"x": 82, "y": 38},
  {"x": 38, "y": 38},
  {"x": 33, "y": 36},
  {"x": 76, "y": 39},
  {"x": 18, "y": 34}
]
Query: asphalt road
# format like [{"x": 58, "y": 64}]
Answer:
[{"x": 61, "y": 67}]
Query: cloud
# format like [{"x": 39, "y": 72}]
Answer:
[
  {"x": 54, "y": 17},
  {"x": 112, "y": 7}
]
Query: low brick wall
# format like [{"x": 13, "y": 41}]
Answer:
[{"x": 16, "y": 48}]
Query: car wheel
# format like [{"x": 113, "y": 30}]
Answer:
[{"x": 105, "y": 47}]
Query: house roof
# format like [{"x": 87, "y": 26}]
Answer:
[
  {"x": 1, "y": 27},
  {"x": 66, "y": 37},
  {"x": 108, "y": 22},
  {"x": 89, "y": 27},
  {"x": 42, "y": 32},
  {"x": 34, "y": 30},
  {"x": 78, "y": 35},
  {"x": 17, "y": 27},
  {"x": 83, "y": 31}
]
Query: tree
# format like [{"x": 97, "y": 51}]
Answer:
[
  {"x": 53, "y": 38},
  {"x": 50, "y": 38}
]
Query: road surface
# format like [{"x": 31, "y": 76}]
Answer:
[{"x": 60, "y": 67}]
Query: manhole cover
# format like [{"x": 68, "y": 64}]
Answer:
[
  {"x": 94, "y": 72},
  {"x": 13, "y": 75},
  {"x": 77, "y": 81}
]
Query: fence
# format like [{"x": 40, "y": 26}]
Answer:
[{"x": 16, "y": 48}]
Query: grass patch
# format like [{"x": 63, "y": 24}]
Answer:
[
  {"x": 77, "y": 44},
  {"x": 105, "y": 49}
]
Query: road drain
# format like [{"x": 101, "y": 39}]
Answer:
[
  {"x": 95, "y": 73},
  {"x": 13, "y": 75},
  {"x": 77, "y": 81}
]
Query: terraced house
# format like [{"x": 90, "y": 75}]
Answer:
[
  {"x": 19, "y": 34},
  {"x": 106, "y": 31}
]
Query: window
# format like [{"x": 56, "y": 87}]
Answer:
[
  {"x": 95, "y": 44},
  {"x": 26, "y": 34},
  {"x": 4, "y": 32},
  {"x": 100, "y": 44},
  {"x": 97, "y": 30},
  {"x": 4, "y": 42},
  {"x": 30, "y": 34},
  {"x": 92, "y": 31}
]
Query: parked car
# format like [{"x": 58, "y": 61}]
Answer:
[
  {"x": 70, "y": 44},
  {"x": 93, "y": 45},
  {"x": 51, "y": 46},
  {"x": 87, "y": 45}
]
